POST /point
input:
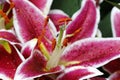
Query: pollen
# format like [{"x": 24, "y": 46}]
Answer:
[
  {"x": 64, "y": 20},
  {"x": 12, "y": 5},
  {"x": 53, "y": 44},
  {"x": 65, "y": 41}
]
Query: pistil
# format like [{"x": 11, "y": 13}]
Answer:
[{"x": 55, "y": 57}]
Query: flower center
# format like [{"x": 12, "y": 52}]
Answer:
[{"x": 59, "y": 47}]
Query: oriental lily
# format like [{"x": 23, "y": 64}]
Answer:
[
  {"x": 70, "y": 54},
  {"x": 113, "y": 66}
]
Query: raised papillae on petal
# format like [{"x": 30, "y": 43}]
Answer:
[
  {"x": 91, "y": 52},
  {"x": 43, "y": 5},
  {"x": 115, "y": 18},
  {"x": 55, "y": 15},
  {"x": 79, "y": 73},
  {"x": 30, "y": 22},
  {"x": 84, "y": 22},
  {"x": 9, "y": 60}
]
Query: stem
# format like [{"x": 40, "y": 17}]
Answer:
[{"x": 114, "y": 4}]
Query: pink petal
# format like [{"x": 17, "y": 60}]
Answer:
[
  {"x": 98, "y": 2},
  {"x": 34, "y": 66},
  {"x": 115, "y": 18},
  {"x": 45, "y": 78},
  {"x": 29, "y": 23},
  {"x": 85, "y": 21},
  {"x": 28, "y": 47},
  {"x": 113, "y": 66},
  {"x": 79, "y": 73},
  {"x": 9, "y": 62},
  {"x": 9, "y": 35},
  {"x": 115, "y": 76},
  {"x": 43, "y": 5},
  {"x": 92, "y": 51},
  {"x": 97, "y": 78},
  {"x": 56, "y": 15}
]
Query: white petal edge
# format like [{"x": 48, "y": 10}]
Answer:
[
  {"x": 47, "y": 7},
  {"x": 90, "y": 69},
  {"x": 16, "y": 22},
  {"x": 113, "y": 12},
  {"x": 97, "y": 17},
  {"x": 79, "y": 42}
]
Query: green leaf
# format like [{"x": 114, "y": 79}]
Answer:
[
  {"x": 68, "y": 6},
  {"x": 105, "y": 26}
]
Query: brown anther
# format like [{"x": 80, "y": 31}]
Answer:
[
  {"x": 53, "y": 44},
  {"x": 46, "y": 21},
  {"x": 64, "y": 20},
  {"x": 4, "y": 16},
  {"x": 65, "y": 42},
  {"x": 12, "y": 5}
]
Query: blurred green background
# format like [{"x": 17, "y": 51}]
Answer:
[{"x": 71, "y": 6}]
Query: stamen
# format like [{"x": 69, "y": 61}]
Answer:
[
  {"x": 64, "y": 20},
  {"x": 53, "y": 44},
  {"x": 4, "y": 16},
  {"x": 43, "y": 31},
  {"x": 44, "y": 51},
  {"x": 46, "y": 21},
  {"x": 65, "y": 41},
  {"x": 12, "y": 5},
  {"x": 77, "y": 31},
  {"x": 70, "y": 63}
]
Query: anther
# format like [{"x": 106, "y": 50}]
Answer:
[
  {"x": 46, "y": 21},
  {"x": 53, "y": 44},
  {"x": 4, "y": 16},
  {"x": 12, "y": 5},
  {"x": 64, "y": 20}
]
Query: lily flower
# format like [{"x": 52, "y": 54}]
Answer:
[
  {"x": 69, "y": 54},
  {"x": 113, "y": 66}
]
